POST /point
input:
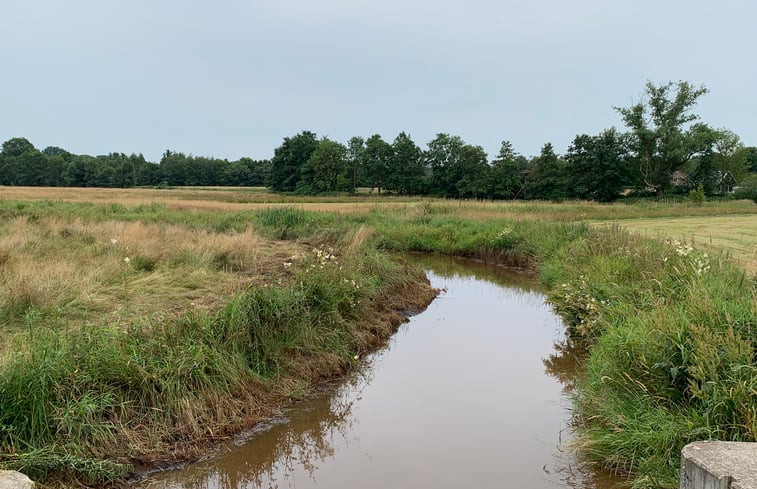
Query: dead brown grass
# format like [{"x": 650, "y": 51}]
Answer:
[{"x": 82, "y": 273}]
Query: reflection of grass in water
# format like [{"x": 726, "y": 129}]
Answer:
[
  {"x": 301, "y": 438},
  {"x": 466, "y": 268},
  {"x": 564, "y": 363}
]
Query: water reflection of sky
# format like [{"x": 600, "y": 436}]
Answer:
[{"x": 459, "y": 399}]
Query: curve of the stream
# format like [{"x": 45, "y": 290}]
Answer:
[{"x": 473, "y": 392}]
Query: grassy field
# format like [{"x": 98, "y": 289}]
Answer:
[
  {"x": 737, "y": 234},
  {"x": 72, "y": 272},
  {"x": 138, "y": 324},
  {"x": 248, "y": 199}
]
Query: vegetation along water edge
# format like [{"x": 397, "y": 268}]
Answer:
[{"x": 670, "y": 326}]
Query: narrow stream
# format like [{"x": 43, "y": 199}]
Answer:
[{"x": 470, "y": 393}]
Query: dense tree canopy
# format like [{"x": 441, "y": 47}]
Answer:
[
  {"x": 545, "y": 178},
  {"x": 596, "y": 166},
  {"x": 327, "y": 169},
  {"x": 506, "y": 181},
  {"x": 289, "y": 159}
]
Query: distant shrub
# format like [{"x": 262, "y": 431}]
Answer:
[
  {"x": 747, "y": 189},
  {"x": 696, "y": 196}
]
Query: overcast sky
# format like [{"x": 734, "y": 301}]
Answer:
[{"x": 232, "y": 78}]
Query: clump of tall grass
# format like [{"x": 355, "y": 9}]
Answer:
[
  {"x": 508, "y": 242},
  {"x": 673, "y": 333},
  {"x": 292, "y": 222}
]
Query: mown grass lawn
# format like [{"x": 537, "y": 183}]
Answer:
[{"x": 735, "y": 234}]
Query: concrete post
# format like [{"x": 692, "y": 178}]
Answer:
[
  {"x": 10, "y": 479},
  {"x": 719, "y": 465}
]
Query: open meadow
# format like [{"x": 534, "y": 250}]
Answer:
[{"x": 137, "y": 325}]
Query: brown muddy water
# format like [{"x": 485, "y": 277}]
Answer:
[{"x": 473, "y": 392}]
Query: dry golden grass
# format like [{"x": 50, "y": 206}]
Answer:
[
  {"x": 189, "y": 198},
  {"x": 223, "y": 199},
  {"x": 77, "y": 273}
]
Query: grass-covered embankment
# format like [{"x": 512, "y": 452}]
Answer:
[
  {"x": 671, "y": 332},
  {"x": 84, "y": 400}
]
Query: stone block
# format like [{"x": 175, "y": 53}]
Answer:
[{"x": 719, "y": 465}]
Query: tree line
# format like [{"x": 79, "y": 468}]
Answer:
[
  {"x": 23, "y": 165},
  {"x": 665, "y": 148}
]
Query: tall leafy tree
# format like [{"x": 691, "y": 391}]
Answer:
[
  {"x": 79, "y": 172},
  {"x": 730, "y": 155},
  {"x": 22, "y": 164},
  {"x": 663, "y": 136},
  {"x": 475, "y": 173},
  {"x": 289, "y": 159},
  {"x": 174, "y": 168},
  {"x": 260, "y": 171},
  {"x": 377, "y": 155},
  {"x": 326, "y": 170},
  {"x": 505, "y": 173},
  {"x": 545, "y": 179},
  {"x": 406, "y": 170},
  {"x": 596, "y": 166},
  {"x": 443, "y": 157},
  {"x": 750, "y": 153},
  {"x": 356, "y": 160},
  {"x": 17, "y": 146}
]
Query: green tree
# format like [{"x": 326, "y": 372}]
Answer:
[
  {"x": 22, "y": 164},
  {"x": 596, "y": 166},
  {"x": 443, "y": 157},
  {"x": 17, "y": 146},
  {"x": 56, "y": 151},
  {"x": 505, "y": 173},
  {"x": 289, "y": 159},
  {"x": 545, "y": 179},
  {"x": 326, "y": 170},
  {"x": 260, "y": 171},
  {"x": 236, "y": 173},
  {"x": 730, "y": 155},
  {"x": 173, "y": 168},
  {"x": 750, "y": 153},
  {"x": 406, "y": 169},
  {"x": 80, "y": 172},
  {"x": 475, "y": 173},
  {"x": 356, "y": 160},
  {"x": 147, "y": 173},
  {"x": 663, "y": 138},
  {"x": 376, "y": 161}
]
